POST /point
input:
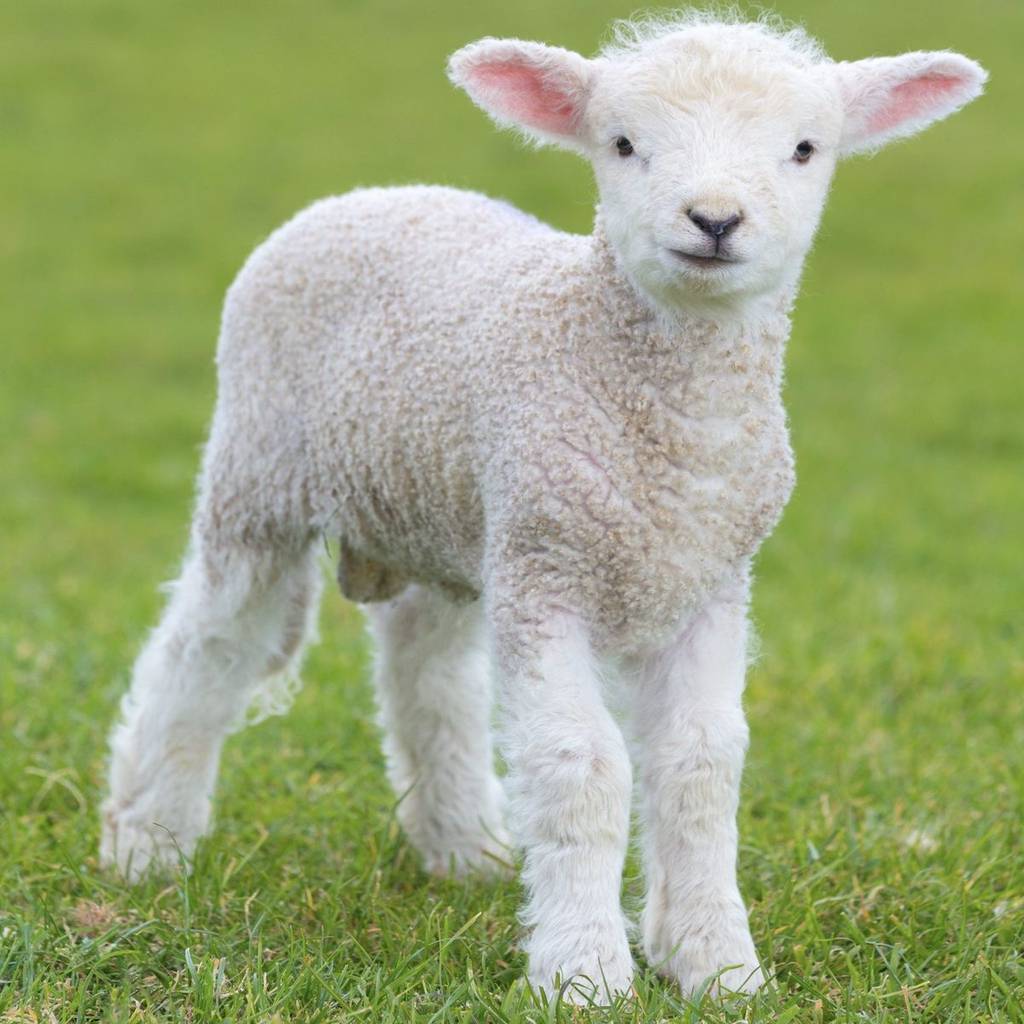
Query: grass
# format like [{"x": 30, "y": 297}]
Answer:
[{"x": 147, "y": 148}]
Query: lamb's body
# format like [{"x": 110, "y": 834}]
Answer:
[
  {"x": 548, "y": 459},
  {"x": 625, "y": 468}
]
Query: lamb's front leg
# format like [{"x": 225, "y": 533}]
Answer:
[
  {"x": 569, "y": 786},
  {"x": 691, "y": 737}
]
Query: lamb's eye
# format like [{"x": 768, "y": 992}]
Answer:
[
  {"x": 803, "y": 152},
  {"x": 624, "y": 146}
]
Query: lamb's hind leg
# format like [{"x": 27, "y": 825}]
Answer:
[
  {"x": 434, "y": 693},
  {"x": 237, "y": 618}
]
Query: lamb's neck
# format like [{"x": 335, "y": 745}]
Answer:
[{"x": 720, "y": 364}]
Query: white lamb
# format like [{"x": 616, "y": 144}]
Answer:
[{"x": 548, "y": 457}]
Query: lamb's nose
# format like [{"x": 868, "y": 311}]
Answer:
[{"x": 715, "y": 228}]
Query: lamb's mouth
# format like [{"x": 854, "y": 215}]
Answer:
[{"x": 705, "y": 262}]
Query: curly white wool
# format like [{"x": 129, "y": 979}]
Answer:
[{"x": 549, "y": 454}]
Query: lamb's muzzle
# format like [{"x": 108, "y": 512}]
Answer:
[{"x": 715, "y": 228}]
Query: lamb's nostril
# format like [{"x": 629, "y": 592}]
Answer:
[{"x": 715, "y": 228}]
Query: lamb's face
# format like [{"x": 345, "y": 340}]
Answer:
[
  {"x": 712, "y": 167},
  {"x": 713, "y": 144}
]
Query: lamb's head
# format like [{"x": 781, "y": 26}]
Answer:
[{"x": 713, "y": 143}]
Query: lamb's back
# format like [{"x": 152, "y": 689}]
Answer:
[{"x": 398, "y": 260}]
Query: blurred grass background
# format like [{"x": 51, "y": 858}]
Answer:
[{"x": 146, "y": 148}]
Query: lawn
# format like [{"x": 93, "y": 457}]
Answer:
[{"x": 146, "y": 148}]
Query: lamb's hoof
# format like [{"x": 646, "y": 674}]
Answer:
[
  {"x": 485, "y": 854},
  {"x": 581, "y": 990},
  {"x": 591, "y": 971},
  {"x": 742, "y": 980},
  {"x": 706, "y": 948},
  {"x": 718, "y": 966},
  {"x": 135, "y": 850}
]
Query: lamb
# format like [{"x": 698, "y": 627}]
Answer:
[{"x": 549, "y": 460}]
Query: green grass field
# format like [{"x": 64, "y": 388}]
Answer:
[{"x": 146, "y": 148}]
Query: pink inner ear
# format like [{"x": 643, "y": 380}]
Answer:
[
  {"x": 910, "y": 100},
  {"x": 522, "y": 94}
]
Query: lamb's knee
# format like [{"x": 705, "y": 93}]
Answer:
[
  {"x": 573, "y": 770},
  {"x": 704, "y": 757},
  {"x": 563, "y": 790}
]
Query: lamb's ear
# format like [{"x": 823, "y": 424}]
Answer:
[
  {"x": 886, "y": 98},
  {"x": 541, "y": 90}
]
